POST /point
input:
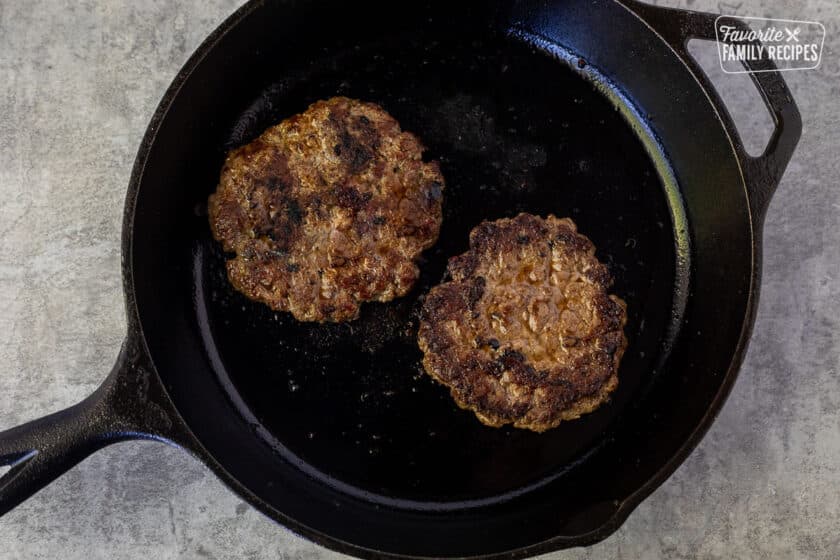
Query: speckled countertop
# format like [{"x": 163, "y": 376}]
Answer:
[{"x": 78, "y": 84}]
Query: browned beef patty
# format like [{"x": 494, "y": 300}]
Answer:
[
  {"x": 326, "y": 210},
  {"x": 525, "y": 332}
]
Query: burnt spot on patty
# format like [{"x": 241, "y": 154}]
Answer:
[
  {"x": 524, "y": 332},
  {"x": 350, "y": 197},
  {"x": 358, "y": 138},
  {"x": 326, "y": 210}
]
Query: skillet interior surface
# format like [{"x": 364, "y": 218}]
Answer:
[
  {"x": 334, "y": 429},
  {"x": 350, "y": 402}
]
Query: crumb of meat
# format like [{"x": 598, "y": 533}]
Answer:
[
  {"x": 525, "y": 332},
  {"x": 326, "y": 210}
]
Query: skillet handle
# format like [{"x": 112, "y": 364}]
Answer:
[
  {"x": 762, "y": 173},
  {"x": 129, "y": 405}
]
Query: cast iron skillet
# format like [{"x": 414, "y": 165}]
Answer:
[{"x": 581, "y": 108}]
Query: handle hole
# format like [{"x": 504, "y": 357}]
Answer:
[
  {"x": 11, "y": 460},
  {"x": 753, "y": 120}
]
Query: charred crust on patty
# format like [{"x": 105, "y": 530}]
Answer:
[
  {"x": 326, "y": 210},
  {"x": 525, "y": 332}
]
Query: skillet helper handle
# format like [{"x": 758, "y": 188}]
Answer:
[
  {"x": 762, "y": 173},
  {"x": 128, "y": 405}
]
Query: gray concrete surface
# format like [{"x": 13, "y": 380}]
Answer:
[{"x": 78, "y": 83}]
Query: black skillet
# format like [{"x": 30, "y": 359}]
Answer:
[{"x": 581, "y": 108}]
